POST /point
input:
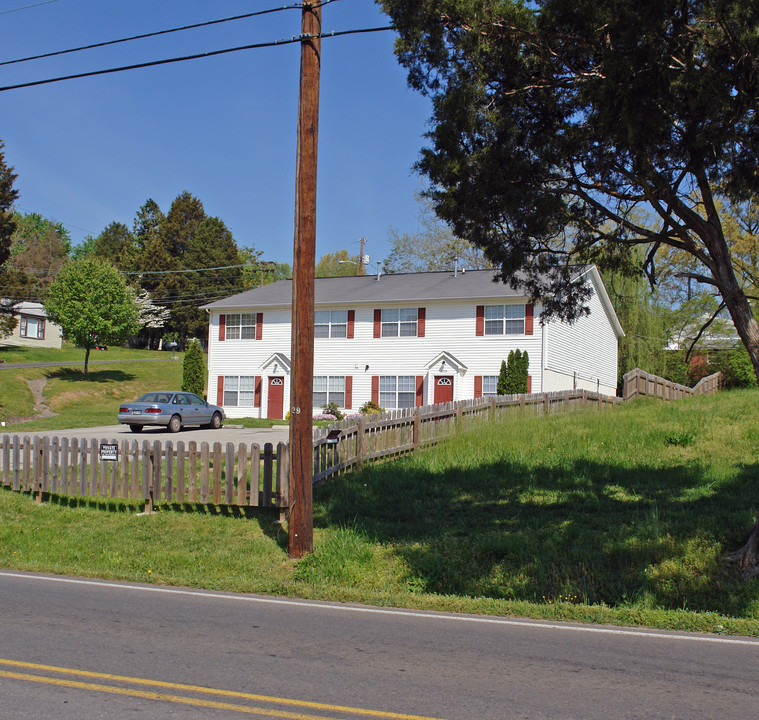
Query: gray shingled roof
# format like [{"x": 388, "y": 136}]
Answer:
[{"x": 408, "y": 287}]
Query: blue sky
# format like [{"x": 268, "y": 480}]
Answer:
[{"x": 90, "y": 151}]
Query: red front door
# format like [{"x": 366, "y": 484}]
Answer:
[
  {"x": 276, "y": 398},
  {"x": 443, "y": 389}
]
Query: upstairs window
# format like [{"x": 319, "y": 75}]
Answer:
[
  {"x": 504, "y": 319},
  {"x": 331, "y": 324},
  {"x": 241, "y": 326},
  {"x": 399, "y": 322}
]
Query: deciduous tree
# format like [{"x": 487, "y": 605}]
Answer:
[{"x": 92, "y": 304}]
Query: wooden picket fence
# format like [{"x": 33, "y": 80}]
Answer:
[
  {"x": 247, "y": 475},
  {"x": 152, "y": 472},
  {"x": 387, "y": 435},
  {"x": 638, "y": 383}
]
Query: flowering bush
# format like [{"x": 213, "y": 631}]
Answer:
[{"x": 324, "y": 416}]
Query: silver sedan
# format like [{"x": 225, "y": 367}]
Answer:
[{"x": 172, "y": 409}]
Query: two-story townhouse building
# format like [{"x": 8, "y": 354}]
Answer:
[{"x": 403, "y": 340}]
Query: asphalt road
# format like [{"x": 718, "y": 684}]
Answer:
[{"x": 81, "y": 649}]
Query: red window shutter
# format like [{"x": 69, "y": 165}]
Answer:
[
  {"x": 257, "y": 391},
  {"x": 220, "y": 389},
  {"x": 529, "y": 311},
  {"x": 478, "y": 386},
  {"x": 259, "y": 325},
  {"x": 351, "y": 323},
  {"x": 529, "y": 384},
  {"x": 222, "y": 327},
  {"x": 421, "y": 316},
  {"x": 375, "y": 389},
  {"x": 348, "y": 392},
  {"x": 480, "y": 323},
  {"x": 419, "y": 390},
  {"x": 377, "y": 323}
]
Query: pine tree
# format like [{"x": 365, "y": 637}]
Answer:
[{"x": 194, "y": 369}]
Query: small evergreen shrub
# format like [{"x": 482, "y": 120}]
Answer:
[{"x": 194, "y": 370}]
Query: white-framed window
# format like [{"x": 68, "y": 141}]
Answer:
[
  {"x": 489, "y": 385},
  {"x": 239, "y": 390},
  {"x": 241, "y": 326},
  {"x": 397, "y": 392},
  {"x": 399, "y": 322},
  {"x": 504, "y": 319},
  {"x": 331, "y": 323},
  {"x": 328, "y": 389},
  {"x": 32, "y": 327}
]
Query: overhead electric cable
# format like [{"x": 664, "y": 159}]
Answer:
[
  {"x": 26, "y": 7},
  {"x": 154, "y": 34},
  {"x": 211, "y": 53}
]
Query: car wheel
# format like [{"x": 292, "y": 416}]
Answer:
[
  {"x": 175, "y": 424},
  {"x": 215, "y": 423},
  {"x": 136, "y": 428}
]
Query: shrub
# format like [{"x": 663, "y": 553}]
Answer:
[
  {"x": 331, "y": 408},
  {"x": 371, "y": 408},
  {"x": 194, "y": 369},
  {"x": 736, "y": 367}
]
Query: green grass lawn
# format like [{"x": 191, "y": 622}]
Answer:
[{"x": 621, "y": 516}]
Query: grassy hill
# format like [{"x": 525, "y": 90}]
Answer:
[{"x": 80, "y": 401}]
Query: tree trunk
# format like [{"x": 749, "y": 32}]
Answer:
[
  {"x": 86, "y": 360},
  {"x": 747, "y": 557}
]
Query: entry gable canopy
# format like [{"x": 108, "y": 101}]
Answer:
[
  {"x": 276, "y": 362},
  {"x": 444, "y": 360}
]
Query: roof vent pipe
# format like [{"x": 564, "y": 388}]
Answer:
[
  {"x": 379, "y": 269},
  {"x": 455, "y": 266}
]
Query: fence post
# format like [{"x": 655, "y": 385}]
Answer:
[
  {"x": 268, "y": 462},
  {"x": 361, "y": 442},
  {"x": 283, "y": 490}
]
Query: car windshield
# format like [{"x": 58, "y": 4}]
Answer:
[{"x": 155, "y": 397}]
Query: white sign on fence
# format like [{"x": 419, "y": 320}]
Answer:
[{"x": 109, "y": 451}]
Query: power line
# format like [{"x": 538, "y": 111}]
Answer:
[
  {"x": 152, "y": 34},
  {"x": 26, "y": 7},
  {"x": 211, "y": 53}
]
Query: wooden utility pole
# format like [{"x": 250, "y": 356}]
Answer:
[
  {"x": 361, "y": 257},
  {"x": 301, "y": 516}
]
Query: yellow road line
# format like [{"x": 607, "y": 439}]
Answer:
[
  {"x": 212, "y": 704},
  {"x": 190, "y": 688}
]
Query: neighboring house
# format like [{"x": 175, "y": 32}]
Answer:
[
  {"x": 33, "y": 328},
  {"x": 402, "y": 341}
]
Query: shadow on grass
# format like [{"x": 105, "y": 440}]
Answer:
[
  {"x": 71, "y": 374},
  {"x": 583, "y": 532}
]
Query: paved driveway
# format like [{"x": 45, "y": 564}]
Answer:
[{"x": 227, "y": 433}]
